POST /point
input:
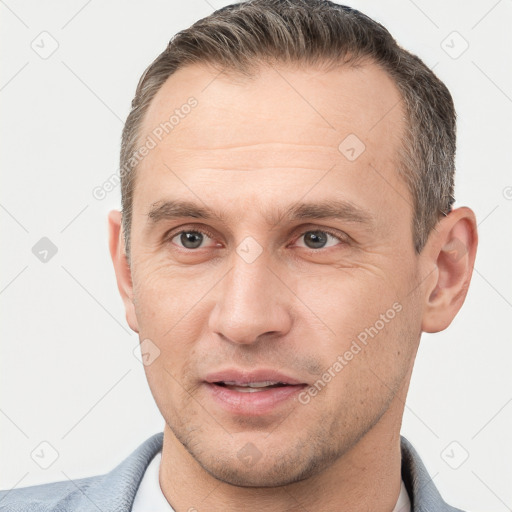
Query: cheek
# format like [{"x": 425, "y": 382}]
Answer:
[
  {"x": 161, "y": 293},
  {"x": 363, "y": 327},
  {"x": 171, "y": 313},
  {"x": 168, "y": 328},
  {"x": 346, "y": 301},
  {"x": 365, "y": 367}
]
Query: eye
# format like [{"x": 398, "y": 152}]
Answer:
[
  {"x": 190, "y": 238},
  {"x": 318, "y": 238},
  {"x": 314, "y": 239}
]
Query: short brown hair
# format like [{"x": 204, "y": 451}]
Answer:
[{"x": 240, "y": 36}]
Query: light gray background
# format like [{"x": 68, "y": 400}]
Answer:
[{"x": 69, "y": 376}]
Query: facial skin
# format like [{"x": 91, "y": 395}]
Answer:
[{"x": 249, "y": 150}]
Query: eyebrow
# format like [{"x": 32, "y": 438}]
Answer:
[{"x": 327, "y": 209}]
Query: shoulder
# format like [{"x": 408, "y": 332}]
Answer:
[
  {"x": 422, "y": 491},
  {"x": 53, "y": 496},
  {"x": 113, "y": 490}
]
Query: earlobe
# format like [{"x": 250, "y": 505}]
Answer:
[
  {"x": 121, "y": 267},
  {"x": 454, "y": 253}
]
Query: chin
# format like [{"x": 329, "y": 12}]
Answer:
[
  {"x": 263, "y": 477},
  {"x": 281, "y": 467}
]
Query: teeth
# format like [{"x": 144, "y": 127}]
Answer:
[
  {"x": 245, "y": 389},
  {"x": 252, "y": 384},
  {"x": 249, "y": 388}
]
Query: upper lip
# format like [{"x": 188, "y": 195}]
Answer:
[{"x": 241, "y": 377}]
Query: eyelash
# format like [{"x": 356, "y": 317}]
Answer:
[{"x": 204, "y": 231}]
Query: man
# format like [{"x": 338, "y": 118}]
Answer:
[{"x": 286, "y": 235}]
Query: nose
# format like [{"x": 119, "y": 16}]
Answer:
[{"x": 252, "y": 303}]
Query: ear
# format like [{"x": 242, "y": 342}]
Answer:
[
  {"x": 452, "y": 252},
  {"x": 121, "y": 267}
]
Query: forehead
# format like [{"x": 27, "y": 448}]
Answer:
[
  {"x": 291, "y": 125},
  {"x": 287, "y": 104}
]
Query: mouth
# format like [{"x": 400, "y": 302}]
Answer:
[
  {"x": 252, "y": 393},
  {"x": 250, "y": 387}
]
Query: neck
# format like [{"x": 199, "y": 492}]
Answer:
[{"x": 368, "y": 477}]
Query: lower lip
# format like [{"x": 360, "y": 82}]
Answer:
[{"x": 252, "y": 403}]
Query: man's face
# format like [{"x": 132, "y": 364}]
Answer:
[{"x": 258, "y": 290}]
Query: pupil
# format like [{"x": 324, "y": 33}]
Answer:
[{"x": 316, "y": 237}]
